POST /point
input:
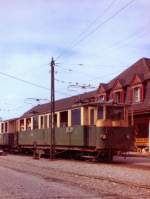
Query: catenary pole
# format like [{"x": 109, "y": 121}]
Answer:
[{"x": 52, "y": 122}]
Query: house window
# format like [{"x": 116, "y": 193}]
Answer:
[
  {"x": 117, "y": 97},
  {"x": 137, "y": 94},
  {"x": 102, "y": 98}
]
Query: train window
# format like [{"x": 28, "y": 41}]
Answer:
[
  {"x": 100, "y": 112},
  {"x": 28, "y": 124},
  {"x": 92, "y": 116},
  {"x": 42, "y": 121},
  {"x": 22, "y": 125},
  {"x": 45, "y": 121},
  {"x": 115, "y": 113},
  {"x": 35, "y": 122},
  {"x": 76, "y": 117},
  {"x": 2, "y": 127},
  {"x": 6, "y": 127},
  {"x": 55, "y": 119},
  {"x": 64, "y": 119}
]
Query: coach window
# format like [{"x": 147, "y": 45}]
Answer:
[
  {"x": 64, "y": 119},
  {"x": 55, "y": 119},
  {"x": 42, "y": 121},
  {"x": 22, "y": 125},
  {"x": 35, "y": 122},
  {"x": 6, "y": 127},
  {"x": 45, "y": 121},
  {"x": 100, "y": 112},
  {"x": 76, "y": 117},
  {"x": 2, "y": 127},
  {"x": 92, "y": 116},
  {"x": 115, "y": 113},
  {"x": 28, "y": 124}
]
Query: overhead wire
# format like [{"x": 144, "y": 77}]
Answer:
[
  {"x": 90, "y": 25},
  {"x": 28, "y": 82},
  {"x": 99, "y": 26},
  {"x": 140, "y": 34},
  {"x": 94, "y": 30},
  {"x": 97, "y": 18},
  {"x": 75, "y": 44}
]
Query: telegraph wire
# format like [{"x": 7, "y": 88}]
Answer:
[
  {"x": 22, "y": 80},
  {"x": 90, "y": 25},
  {"x": 100, "y": 25},
  {"x": 28, "y": 82},
  {"x": 140, "y": 34},
  {"x": 97, "y": 18},
  {"x": 133, "y": 37}
]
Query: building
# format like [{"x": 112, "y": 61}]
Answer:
[{"x": 131, "y": 87}]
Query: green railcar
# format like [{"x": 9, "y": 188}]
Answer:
[
  {"x": 86, "y": 139},
  {"x": 8, "y": 140},
  {"x": 94, "y": 129}
]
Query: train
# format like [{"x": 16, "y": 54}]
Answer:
[{"x": 84, "y": 129}]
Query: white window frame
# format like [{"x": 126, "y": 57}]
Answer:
[{"x": 137, "y": 94}]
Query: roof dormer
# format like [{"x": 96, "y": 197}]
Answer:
[
  {"x": 117, "y": 85},
  {"x": 117, "y": 92},
  {"x": 137, "y": 79},
  {"x": 136, "y": 90},
  {"x": 101, "y": 93},
  {"x": 102, "y": 88}
]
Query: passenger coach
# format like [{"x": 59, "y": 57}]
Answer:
[{"x": 83, "y": 127}]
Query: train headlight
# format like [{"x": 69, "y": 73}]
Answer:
[{"x": 103, "y": 136}]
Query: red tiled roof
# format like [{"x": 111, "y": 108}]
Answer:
[
  {"x": 103, "y": 85},
  {"x": 141, "y": 67}
]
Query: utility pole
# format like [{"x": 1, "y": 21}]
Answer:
[{"x": 52, "y": 122}]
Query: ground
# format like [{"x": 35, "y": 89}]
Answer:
[{"x": 22, "y": 177}]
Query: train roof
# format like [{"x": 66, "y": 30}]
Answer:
[{"x": 60, "y": 105}]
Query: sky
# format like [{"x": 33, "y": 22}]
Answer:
[{"x": 91, "y": 41}]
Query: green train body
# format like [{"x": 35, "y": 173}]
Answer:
[
  {"x": 111, "y": 132},
  {"x": 85, "y": 139},
  {"x": 118, "y": 138}
]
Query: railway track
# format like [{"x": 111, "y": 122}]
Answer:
[{"x": 30, "y": 169}]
